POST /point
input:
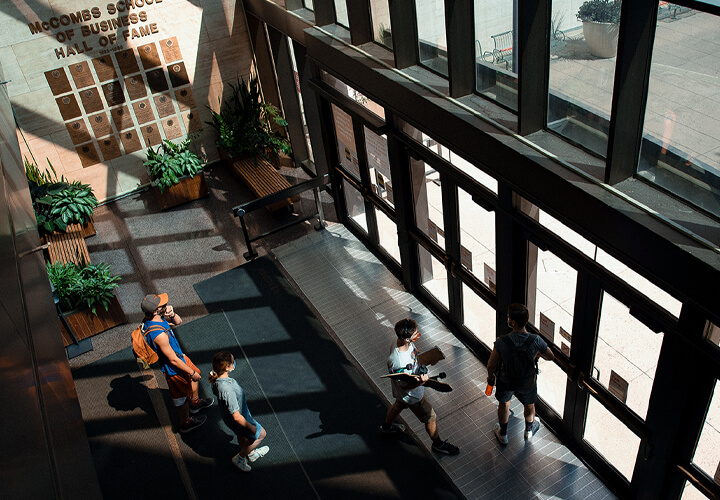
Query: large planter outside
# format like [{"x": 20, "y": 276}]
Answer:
[
  {"x": 188, "y": 189},
  {"x": 85, "y": 324},
  {"x": 602, "y": 38}
]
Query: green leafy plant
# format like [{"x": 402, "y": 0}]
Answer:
[
  {"x": 91, "y": 286},
  {"x": 243, "y": 124},
  {"x": 600, "y": 11},
  {"x": 170, "y": 162},
  {"x": 58, "y": 203}
]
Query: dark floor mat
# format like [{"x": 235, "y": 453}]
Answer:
[
  {"x": 329, "y": 413},
  {"x": 129, "y": 448}
]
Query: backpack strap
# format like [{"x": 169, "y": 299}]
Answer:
[{"x": 152, "y": 328}]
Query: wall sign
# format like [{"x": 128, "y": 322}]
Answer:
[{"x": 618, "y": 386}]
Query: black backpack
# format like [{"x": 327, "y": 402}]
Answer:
[{"x": 519, "y": 370}]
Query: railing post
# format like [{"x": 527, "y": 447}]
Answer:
[
  {"x": 250, "y": 254},
  {"x": 321, "y": 222}
]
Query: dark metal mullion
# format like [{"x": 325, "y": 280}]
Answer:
[
  {"x": 370, "y": 218},
  {"x": 320, "y": 140},
  {"x": 403, "y": 23},
  {"x": 451, "y": 221},
  {"x": 460, "y": 35},
  {"x": 533, "y": 55},
  {"x": 324, "y": 12},
  {"x": 351, "y": 107},
  {"x": 360, "y": 21},
  {"x": 630, "y": 91}
]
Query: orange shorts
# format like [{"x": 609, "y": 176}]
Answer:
[{"x": 180, "y": 385}]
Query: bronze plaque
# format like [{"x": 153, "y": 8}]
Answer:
[
  {"x": 171, "y": 50},
  {"x": 69, "y": 107},
  {"x": 113, "y": 93},
  {"x": 100, "y": 124},
  {"x": 178, "y": 74},
  {"x": 149, "y": 56},
  {"x": 184, "y": 98},
  {"x": 88, "y": 155},
  {"x": 156, "y": 80},
  {"x": 131, "y": 141},
  {"x": 104, "y": 68},
  {"x": 172, "y": 129},
  {"x": 122, "y": 118},
  {"x": 81, "y": 74},
  {"x": 135, "y": 87},
  {"x": 164, "y": 105},
  {"x": 151, "y": 134},
  {"x": 192, "y": 121},
  {"x": 79, "y": 132},
  {"x": 143, "y": 111},
  {"x": 58, "y": 81},
  {"x": 91, "y": 100},
  {"x": 127, "y": 62},
  {"x": 109, "y": 148}
]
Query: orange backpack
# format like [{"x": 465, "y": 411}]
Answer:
[{"x": 144, "y": 354}]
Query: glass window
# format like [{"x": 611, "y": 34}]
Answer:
[
  {"x": 692, "y": 493},
  {"x": 609, "y": 436},
  {"x": 477, "y": 238},
  {"x": 379, "y": 163},
  {"x": 356, "y": 96},
  {"x": 626, "y": 355},
  {"x": 355, "y": 205},
  {"x": 341, "y": 15},
  {"x": 478, "y": 317},
  {"x": 712, "y": 333},
  {"x": 706, "y": 453},
  {"x": 495, "y": 62},
  {"x": 308, "y": 4},
  {"x": 428, "y": 203},
  {"x": 387, "y": 233},
  {"x": 433, "y": 276},
  {"x": 582, "y": 71},
  {"x": 431, "y": 34},
  {"x": 681, "y": 132},
  {"x": 380, "y": 12},
  {"x": 551, "y": 385},
  {"x": 556, "y": 282},
  {"x": 345, "y": 138}
]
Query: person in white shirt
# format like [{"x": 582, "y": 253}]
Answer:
[{"x": 411, "y": 395}]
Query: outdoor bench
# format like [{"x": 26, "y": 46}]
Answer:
[
  {"x": 263, "y": 179},
  {"x": 503, "y": 51},
  {"x": 68, "y": 246}
]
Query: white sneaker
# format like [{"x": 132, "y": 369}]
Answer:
[
  {"x": 258, "y": 453},
  {"x": 241, "y": 463},
  {"x": 502, "y": 439},
  {"x": 533, "y": 430}
]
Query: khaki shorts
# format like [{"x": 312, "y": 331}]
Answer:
[{"x": 423, "y": 410}]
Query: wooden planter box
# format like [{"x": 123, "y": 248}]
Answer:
[
  {"x": 88, "y": 229},
  {"x": 188, "y": 189},
  {"x": 85, "y": 324}
]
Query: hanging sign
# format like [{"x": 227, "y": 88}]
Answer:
[
  {"x": 466, "y": 257},
  {"x": 618, "y": 386},
  {"x": 547, "y": 327},
  {"x": 489, "y": 274}
]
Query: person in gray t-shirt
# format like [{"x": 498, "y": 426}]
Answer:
[{"x": 236, "y": 413}]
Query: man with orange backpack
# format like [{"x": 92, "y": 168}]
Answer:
[{"x": 181, "y": 374}]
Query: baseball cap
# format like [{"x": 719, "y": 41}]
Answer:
[{"x": 152, "y": 302}]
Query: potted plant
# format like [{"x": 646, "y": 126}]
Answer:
[
  {"x": 59, "y": 203},
  {"x": 601, "y": 20},
  {"x": 176, "y": 173},
  {"x": 86, "y": 297},
  {"x": 243, "y": 125}
]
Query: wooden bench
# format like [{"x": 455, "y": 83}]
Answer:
[
  {"x": 68, "y": 246},
  {"x": 263, "y": 179}
]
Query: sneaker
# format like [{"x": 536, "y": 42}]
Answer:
[
  {"x": 502, "y": 439},
  {"x": 446, "y": 448},
  {"x": 204, "y": 403},
  {"x": 241, "y": 463},
  {"x": 394, "y": 428},
  {"x": 258, "y": 453},
  {"x": 535, "y": 427},
  {"x": 192, "y": 423}
]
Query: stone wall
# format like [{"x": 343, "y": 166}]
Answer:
[{"x": 94, "y": 84}]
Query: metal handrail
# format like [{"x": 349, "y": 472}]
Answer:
[{"x": 241, "y": 211}]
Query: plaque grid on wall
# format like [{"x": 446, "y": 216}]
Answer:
[{"x": 125, "y": 102}]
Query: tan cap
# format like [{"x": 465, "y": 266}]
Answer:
[{"x": 152, "y": 302}]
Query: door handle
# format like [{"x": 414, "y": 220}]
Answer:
[{"x": 584, "y": 385}]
